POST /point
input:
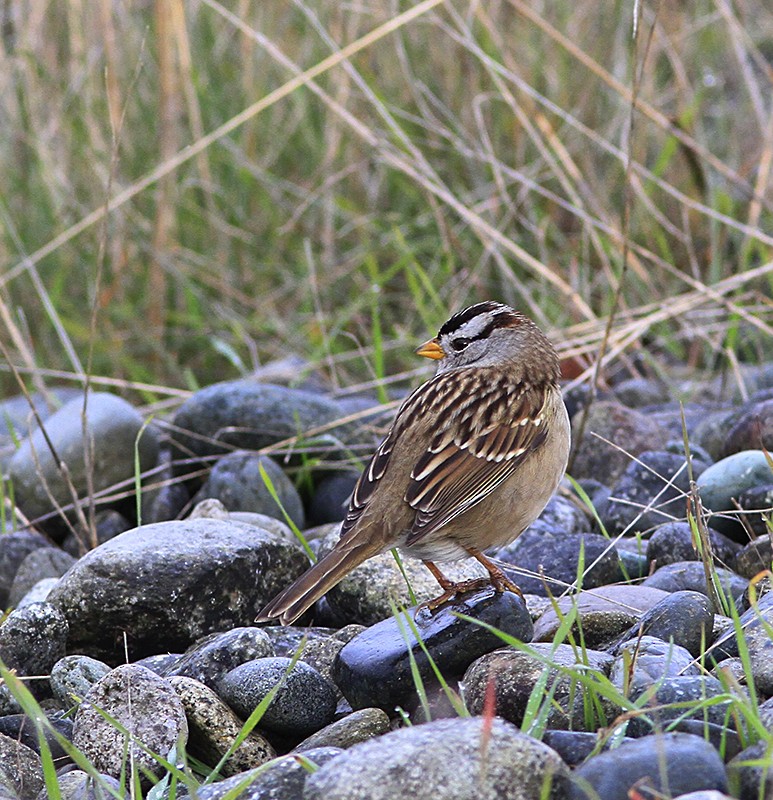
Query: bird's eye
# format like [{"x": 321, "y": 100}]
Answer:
[{"x": 459, "y": 344}]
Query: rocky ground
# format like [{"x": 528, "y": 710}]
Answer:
[{"x": 632, "y": 675}]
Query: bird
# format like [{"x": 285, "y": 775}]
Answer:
[{"x": 470, "y": 461}]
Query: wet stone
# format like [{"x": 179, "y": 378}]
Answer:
[
  {"x": 374, "y": 668},
  {"x": 690, "y": 576}
]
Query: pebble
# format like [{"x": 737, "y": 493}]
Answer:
[
  {"x": 644, "y": 660},
  {"x": 304, "y": 702},
  {"x": 114, "y": 427},
  {"x": 331, "y": 497},
  {"x": 751, "y": 772},
  {"x": 79, "y": 785},
  {"x": 21, "y": 770},
  {"x": 376, "y": 668},
  {"x": 73, "y": 676},
  {"x": 44, "y": 562},
  {"x": 359, "y": 726},
  {"x": 691, "y": 576},
  {"x": 167, "y": 584},
  {"x": 453, "y": 759},
  {"x": 750, "y": 428},
  {"x": 674, "y": 541},
  {"x": 14, "y": 548},
  {"x": 144, "y": 704}
]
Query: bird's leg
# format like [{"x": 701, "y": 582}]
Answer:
[
  {"x": 499, "y": 580},
  {"x": 444, "y": 582}
]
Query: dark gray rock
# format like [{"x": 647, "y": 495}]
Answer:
[
  {"x": 690, "y": 576},
  {"x": 632, "y": 431},
  {"x": 14, "y": 548},
  {"x": 144, "y": 704},
  {"x": 331, "y": 497},
  {"x": 113, "y": 428},
  {"x": 21, "y": 771},
  {"x": 755, "y": 557},
  {"x": 375, "y": 668},
  {"x": 556, "y": 555},
  {"x": 23, "y": 729},
  {"x": 79, "y": 785},
  {"x": 751, "y": 773},
  {"x": 757, "y": 502},
  {"x": 640, "y": 392},
  {"x": 45, "y": 562},
  {"x": 213, "y": 728},
  {"x": 673, "y": 542},
  {"x": 515, "y": 674},
  {"x": 644, "y": 660},
  {"x": 166, "y": 585},
  {"x": 304, "y": 702},
  {"x": 675, "y": 763},
  {"x": 211, "y": 657},
  {"x": 73, "y": 676},
  {"x": 236, "y": 481},
  {"x": 354, "y": 728},
  {"x": 573, "y": 746},
  {"x": 32, "y": 640},
  {"x": 38, "y": 593},
  {"x": 456, "y": 759},
  {"x": 751, "y": 428},
  {"x": 108, "y": 523}
]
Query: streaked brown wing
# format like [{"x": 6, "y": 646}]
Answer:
[{"x": 459, "y": 469}]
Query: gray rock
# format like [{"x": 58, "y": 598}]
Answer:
[
  {"x": 213, "y": 728},
  {"x": 675, "y": 763},
  {"x": 108, "y": 523},
  {"x": 45, "y": 562},
  {"x": 38, "y": 593},
  {"x": 113, "y": 428},
  {"x": 32, "y": 640},
  {"x": 282, "y": 779},
  {"x": 456, "y": 759},
  {"x": 690, "y": 576},
  {"x": 631, "y": 430},
  {"x": 170, "y": 583},
  {"x": 331, "y": 497},
  {"x": 644, "y": 660},
  {"x": 79, "y": 785},
  {"x": 751, "y": 772},
  {"x": 73, "y": 676},
  {"x": 304, "y": 702},
  {"x": 14, "y": 548},
  {"x": 21, "y": 770},
  {"x": 354, "y": 728},
  {"x": 145, "y": 705},
  {"x": 754, "y": 557},
  {"x": 639, "y": 392},
  {"x": 756, "y": 503},
  {"x": 515, "y": 675},
  {"x": 751, "y": 428},
  {"x": 237, "y": 482},
  {"x": 673, "y": 541}
]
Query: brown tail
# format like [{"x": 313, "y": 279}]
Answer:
[{"x": 289, "y": 604}]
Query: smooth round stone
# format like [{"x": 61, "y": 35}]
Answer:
[
  {"x": 650, "y": 492},
  {"x": 752, "y": 428},
  {"x": 23, "y": 729},
  {"x": 211, "y": 657},
  {"x": 729, "y": 478},
  {"x": 644, "y": 660},
  {"x": 168, "y": 584},
  {"x": 679, "y": 689},
  {"x": 14, "y": 548},
  {"x": 690, "y": 576},
  {"x": 108, "y": 523},
  {"x": 144, "y": 704},
  {"x": 674, "y": 762},
  {"x": 32, "y": 640},
  {"x": 331, "y": 497},
  {"x": 304, "y": 703},
  {"x": 236, "y": 481},
  {"x": 359, "y": 726},
  {"x": 754, "y": 558},
  {"x": 281, "y": 779},
  {"x": 113, "y": 428},
  {"x": 374, "y": 668},
  {"x": 38, "y": 593},
  {"x": 751, "y": 772},
  {"x": 555, "y": 555},
  {"x": 757, "y": 502},
  {"x": 673, "y": 542},
  {"x": 213, "y": 728},
  {"x": 573, "y": 746},
  {"x": 73, "y": 676},
  {"x": 79, "y": 785},
  {"x": 639, "y": 392},
  {"x": 632, "y": 430},
  {"x": 515, "y": 674},
  {"x": 564, "y": 515},
  {"x": 605, "y": 613},
  {"x": 45, "y": 562},
  {"x": 453, "y": 759},
  {"x": 21, "y": 770}
]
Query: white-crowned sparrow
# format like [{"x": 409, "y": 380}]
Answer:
[{"x": 470, "y": 461}]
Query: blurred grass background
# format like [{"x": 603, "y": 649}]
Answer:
[{"x": 190, "y": 189}]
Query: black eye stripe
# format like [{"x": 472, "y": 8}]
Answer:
[{"x": 464, "y": 316}]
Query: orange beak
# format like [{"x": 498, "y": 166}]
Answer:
[{"x": 431, "y": 349}]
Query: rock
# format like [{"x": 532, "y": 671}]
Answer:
[
  {"x": 757, "y": 502},
  {"x": 14, "y": 548},
  {"x": 650, "y": 491},
  {"x": 456, "y": 759},
  {"x": 640, "y": 392},
  {"x": 21, "y": 771},
  {"x": 167, "y": 584},
  {"x": 644, "y": 660},
  {"x": 673, "y": 542},
  {"x": 727, "y": 480},
  {"x": 376, "y": 667},
  {"x": 79, "y": 785},
  {"x": 605, "y": 613},
  {"x": 751, "y": 772},
  {"x": 515, "y": 675},
  {"x": 690, "y": 576},
  {"x": 145, "y": 705},
  {"x": 631, "y": 430},
  {"x": 73, "y": 676},
  {"x": 213, "y": 728},
  {"x": 556, "y": 555},
  {"x": 359, "y": 726},
  {"x": 755, "y": 557},
  {"x": 44, "y": 562},
  {"x": 237, "y": 482},
  {"x": 211, "y": 657},
  {"x": 751, "y": 428},
  {"x": 38, "y": 593},
  {"x": 674, "y": 762},
  {"x": 113, "y": 429},
  {"x": 32, "y": 640},
  {"x": 573, "y": 746},
  {"x": 108, "y": 523},
  {"x": 303, "y": 703},
  {"x": 331, "y": 497},
  {"x": 282, "y": 779},
  {"x": 23, "y": 729}
]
